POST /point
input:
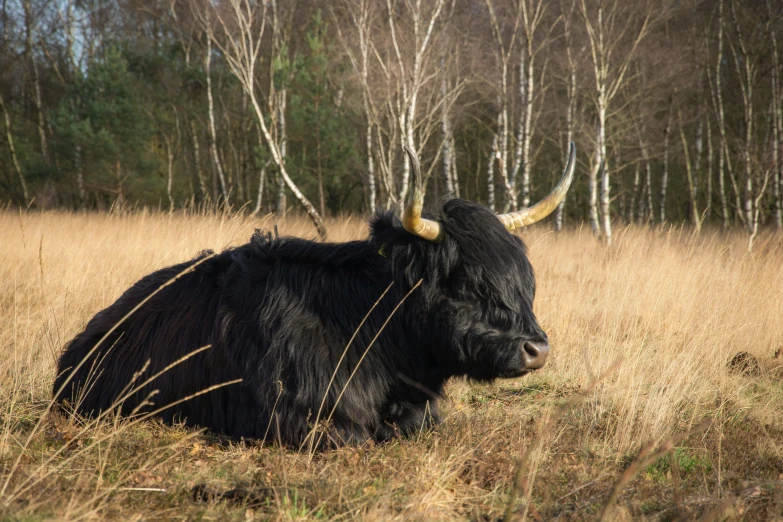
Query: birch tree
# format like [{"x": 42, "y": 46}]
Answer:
[
  {"x": 665, "y": 176},
  {"x": 724, "y": 160},
  {"x": 710, "y": 168},
  {"x": 514, "y": 31},
  {"x": 450, "y": 180},
  {"x": 197, "y": 162},
  {"x": 505, "y": 41},
  {"x": 777, "y": 124},
  {"x": 568, "y": 15},
  {"x": 491, "y": 160},
  {"x": 280, "y": 75},
  {"x": 689, "y": 168},
  {"x": 747, "y": 69},
  {"x": 614, "y": 32},
  {"x": 412, "y": 73},
  {"x": 464, "y": 113},
  {"x": 392, "y": 52},
  {"x": 217, "y": 165},
  {"x": 747, "y": 46},
  {"x": 533, "y": 12},
  {"x": 242, "y": 24},
  {"x": 362, "y": 14}
]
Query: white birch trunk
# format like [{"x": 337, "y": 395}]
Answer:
[
  {"x": 689, "y": 176},
  {"x": 532, "y": 15},
  {"x": 523, "y": 142},
  {"x": 708, "y": 173},
  {"x": 592, "y": 187},
  {"x": 500, "y": 138},
  {"x": 777, "y": 148},
  {"x": 282, "y": 136},
  {"x": 261, "y": 185},
  {"x": 212, "y": 132},
  {"x": 724, "y": 203},
  {"x": 492, "y": 158},
  {"x": 169, "y": 172},
  {"x": 665, "y": 175},
  {"x": 756, "y": 205},
  {"x": 364, "y": 47},
  {"x": 279, "y": 161},
  {"x": 698, "y": 147},
  {"x": 746, "y": 72},
  {"x": 528, "y": 123},
  {"x": 604, "y": 38},
  {"x": 445, "y": 124},
  {"x": 242, "y": 55},
  {"x": 371, "y": 188},
  {"x": 570, "y": 108},
  {"x": 748, "y": 173},
  {"x": 411, "y": 80},
  {"x": 723, "y": 152},
  {"x": 750, "y": 221},
  {"x": 605, "y": 185},
  {"x": 202, "y": 184},
  {"x": 454, "y": 173},
  {"x": 777, "y": 129},
  {"x": 502, "y": 153}
]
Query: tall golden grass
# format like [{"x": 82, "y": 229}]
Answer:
[{"x": 658, "y": 316}]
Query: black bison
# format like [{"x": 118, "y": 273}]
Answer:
[{"x": 360, "y": 336}]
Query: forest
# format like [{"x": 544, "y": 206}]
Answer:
[{"x": 303, "y": 106}]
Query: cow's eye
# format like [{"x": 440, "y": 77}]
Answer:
[{"x": 500, "y": 318}]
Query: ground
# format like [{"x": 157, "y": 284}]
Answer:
[{"x": 644, "y": 410}]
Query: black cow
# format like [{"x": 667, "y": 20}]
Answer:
[{"x": 281, "y": 314}]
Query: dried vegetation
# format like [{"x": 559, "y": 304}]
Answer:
[{"x": 643, "y": 410}]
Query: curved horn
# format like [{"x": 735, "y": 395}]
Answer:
[
  {"x": 411, "y": 218},
  {"x": 543, "y": 208}
]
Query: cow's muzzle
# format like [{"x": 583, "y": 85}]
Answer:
[{"x": 534, "y": 354}]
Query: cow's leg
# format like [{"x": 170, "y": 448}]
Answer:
[
  {"x": 337, "y": 434},
  {"x": 405, "y": 419},
  {"x": 348, "y": 435}
]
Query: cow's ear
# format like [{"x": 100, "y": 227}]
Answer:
[{"x": 386, "y": 229}]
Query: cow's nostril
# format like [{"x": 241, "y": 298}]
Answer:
[{"x": 534, "y": 354}]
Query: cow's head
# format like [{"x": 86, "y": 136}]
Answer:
[{"x": 478, "y": 284}]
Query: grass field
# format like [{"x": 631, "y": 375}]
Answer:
[{"x": 638, "y": 413}]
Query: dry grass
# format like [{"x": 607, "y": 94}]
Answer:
[{"x": 666, "y": 309}]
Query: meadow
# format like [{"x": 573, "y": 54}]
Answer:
[{"x": 644, "y": 409}]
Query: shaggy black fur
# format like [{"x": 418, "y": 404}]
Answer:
[{"x": 279, "y": 313}]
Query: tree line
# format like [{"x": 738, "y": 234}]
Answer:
[{"x": 276, "y": 105}]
